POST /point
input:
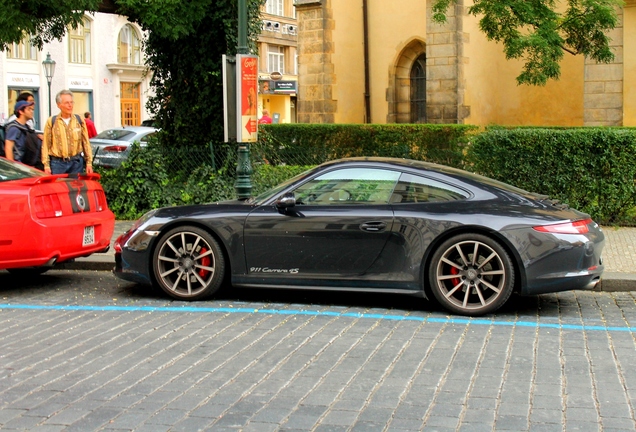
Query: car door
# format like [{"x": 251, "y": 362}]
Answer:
[{"x": 338, "y": 227}]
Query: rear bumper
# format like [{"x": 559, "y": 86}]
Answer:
[{"x": 50, "y": 241}]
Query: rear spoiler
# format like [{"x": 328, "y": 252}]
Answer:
[{"x": 54, "y": 177}]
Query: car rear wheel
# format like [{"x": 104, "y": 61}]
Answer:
[
  {"x": 188, "y": 263},
  {"x": 471, "y": 274}
]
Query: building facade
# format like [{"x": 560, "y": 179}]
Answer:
[
  {"x": 362, "y": 61},
  {"x": 278, "y": 71},
  {"x": 101, "y": 62}
]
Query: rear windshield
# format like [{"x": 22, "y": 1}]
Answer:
[
  {"x": 115, "y": 134},
  {"x": 15, "y": 171}
]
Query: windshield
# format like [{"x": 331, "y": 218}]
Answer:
[
  {"x": 277, "y": 190},
  {"x": 115, "y": 134},
  {"x": 16, "y": 171}
]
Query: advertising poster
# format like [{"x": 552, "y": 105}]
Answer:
[{"x": 247, "y": 84}]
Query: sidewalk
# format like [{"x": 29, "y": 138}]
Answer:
[{"x": 619, "y": 258}]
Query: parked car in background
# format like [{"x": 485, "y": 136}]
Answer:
[
  {"x": 112, "y": 146},
  {"x": 48, "y": 219},
  {"x": 371, "y": 224}
]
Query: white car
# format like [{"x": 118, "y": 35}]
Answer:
[{"x": 112, "y": 146}]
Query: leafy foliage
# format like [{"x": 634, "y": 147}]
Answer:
[
  {"x": 309, "y": 144},
  {"x": 540, "y": 31},
  {"x": 44, "y": 20},
  {"x": 592, "y": 169}
]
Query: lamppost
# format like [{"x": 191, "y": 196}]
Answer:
[
  {"x": 49, "y": 71},
  {"x": 243, "y": 184}
]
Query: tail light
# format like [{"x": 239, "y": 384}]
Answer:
[
  {"x": 576, "y": 227},
  {"x": 115, "y": 148},
  {"x": 48, "y": 206},
  {"x": 100, "y": 200}
]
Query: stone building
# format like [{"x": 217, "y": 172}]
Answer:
[
  {"x": 378, "y": 62},
  {"x": 278, "y": 74}
]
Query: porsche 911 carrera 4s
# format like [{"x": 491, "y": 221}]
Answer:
[{"x": 371, "y": 224}]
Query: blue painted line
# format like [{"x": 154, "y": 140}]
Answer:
[{"x": 185, "y": 309}]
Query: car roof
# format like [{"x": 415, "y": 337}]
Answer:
[{"x": 137, "y": 129}]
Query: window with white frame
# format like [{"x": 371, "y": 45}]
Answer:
[
  {"x": 275, "y": 7},
  {"x": 129, "y": 47},
  {"x": 79, "y": 43},
  {"x": 276, "y": 59},
  {"x": 23, "y": 50}
]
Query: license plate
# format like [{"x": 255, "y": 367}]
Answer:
[{"x": 89, "y": 236}]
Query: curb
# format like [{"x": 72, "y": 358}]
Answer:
[{"x": 616, "y": 281}]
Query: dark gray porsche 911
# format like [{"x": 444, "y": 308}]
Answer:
[{"x": 371, "y": 224}]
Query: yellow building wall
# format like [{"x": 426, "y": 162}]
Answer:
[
  {"x": 388, "y": 34},
  {"x": 629, "y": 53},
  {"x": 348, "y": 61},
  {"x": 494, "y": 97}
]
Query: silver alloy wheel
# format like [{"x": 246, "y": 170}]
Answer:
[
  {"x": 186, "y": 263},
  {"x": 472, "y": 276}
]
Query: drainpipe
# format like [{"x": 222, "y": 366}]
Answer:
[{"x": 367, "y": 92}]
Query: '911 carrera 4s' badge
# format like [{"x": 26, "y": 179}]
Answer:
[{"x": 271, "y": 270}]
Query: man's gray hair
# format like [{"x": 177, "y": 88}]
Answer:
[{"x": 58, "y": 97}]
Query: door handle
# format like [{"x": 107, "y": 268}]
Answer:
[{"x": 373, "y": 226}]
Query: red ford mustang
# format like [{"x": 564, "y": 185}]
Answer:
[{"x": 48, "y": 219}]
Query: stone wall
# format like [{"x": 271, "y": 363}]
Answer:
[
  {"x": 603, "y": 98},
  {"x": 315, "y": 68},
  {"x": 445, "y": 67}
]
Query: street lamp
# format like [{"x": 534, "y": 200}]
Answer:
[{"x": 49, "y": 71}]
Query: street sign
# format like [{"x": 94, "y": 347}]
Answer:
[{"x": 247, "y": 89}]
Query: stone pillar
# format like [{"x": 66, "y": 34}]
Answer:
[
  {"x": 315, "y": 68},
  {"x": 445, "y": 66},
  {"x": 603, "y": 94}
]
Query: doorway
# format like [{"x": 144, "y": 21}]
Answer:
[{"x": 130, "y": 104}]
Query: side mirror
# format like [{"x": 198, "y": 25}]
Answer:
[{"x": 286, "y": 201}]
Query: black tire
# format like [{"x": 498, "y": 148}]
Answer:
[
  {"x": 471, "y": 274},
  {"x": 29, "y": 271},
  {"x": 188, "y": 263}
]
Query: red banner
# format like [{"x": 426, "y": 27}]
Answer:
[{"x": 247, "y": 77}]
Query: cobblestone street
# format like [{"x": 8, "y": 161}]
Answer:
[{"x": 93, "y": 353}]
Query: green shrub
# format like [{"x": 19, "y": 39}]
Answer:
[
  {"x": 591, "y": 169},
  {"x": 313, "y": 144}
]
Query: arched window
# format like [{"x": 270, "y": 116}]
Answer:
[
  {"x": 79, "y": 43},
  {"x": 418, "y": 90},
  {"x": 129, "y": 48}
]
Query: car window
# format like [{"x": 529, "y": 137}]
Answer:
[
  {"x": 15, "y": 171},
  {"x": 115, "y": 134},
  {"x": 416, "y": 189},
  {"x": 348, "y": 186},
  {"x": 146, "y": 138}
]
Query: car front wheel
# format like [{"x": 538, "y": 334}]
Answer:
[
  {"x": 471, "y": 274},
  {"x": 188, "y": 263}
]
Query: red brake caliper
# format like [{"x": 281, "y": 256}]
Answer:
[
  {"x": 454, "y": 281},
  {"x": 205, "y": 261}
]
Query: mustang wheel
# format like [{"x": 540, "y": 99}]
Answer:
[
  {"x": 471, "y": 274},
  {"x": 188, "y": 263}
]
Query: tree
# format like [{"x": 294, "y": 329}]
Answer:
[
  {"x": 183, "y": 51},
  {"x": 540, "y": 31}
]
